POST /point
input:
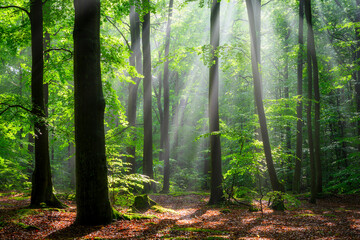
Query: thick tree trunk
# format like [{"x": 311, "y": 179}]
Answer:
[
  {"x": 135, "y": 60},
  {"x": 299, "y": 113},
  {"x": 147, "y": 85},
  {"x": 216, "y": 194},
  {"x": 42, "y": 188},
  {"x": 166, "y": 186},
  {"x": 275, "y": 184},
  {"x": 93, "y": 205},
  {"x": 312, "y": 51}
]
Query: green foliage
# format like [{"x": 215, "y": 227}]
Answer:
[{"x": 346, "y": 180}]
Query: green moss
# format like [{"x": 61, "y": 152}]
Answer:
[
  {"x": 225, "y": 211},
  {"x": 19, "y": 198},
  {"x": 4, "y": 194},
  {"x": 306, "y": 215},
  {"x": 143, "y": 203},
  {"x": 55, "y": 209},
  {"x": 130, "y": 216},
  {"x": 25, "y": 212},
  {"x": 160, "y": 209},
  {"x": 27, "y": 227}
]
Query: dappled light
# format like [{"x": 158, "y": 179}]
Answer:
[{"x": 175, "y": 119}]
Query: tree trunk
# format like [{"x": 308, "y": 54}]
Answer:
[
  {"x": 286, "y": 96},
  {"x": 216, "y": 194},
  {"x": 166, "y": 186},
  {"x": 299, "y": 123},
  {"x": 147, "y": 85},
  {"x": 135, "y": 60},
  {"x": 276, "y": 186},
  {"x": 71, "y": 164},
  {"x": 312, "y": 52},
  {"x": 357, "y": 53},
  {"x": 309, "y": 118},
  {"x": 92, "y": 196},
  {"x": 42, "y": 188}
]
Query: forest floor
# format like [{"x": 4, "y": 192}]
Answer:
[{"x": 335, "y": 217}]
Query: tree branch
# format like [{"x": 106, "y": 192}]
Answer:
[
  {"x": 266, "y": 3},
  {"x": 126, "y": 41},
  {"x": 17, "y": 7},
  {"x": 58, "y": 49},
  {"x": 14, "y": 106}
]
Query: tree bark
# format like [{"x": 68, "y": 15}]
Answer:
[
  {"x": 42, "y": 188},
  {"x": 357, "y": 53},
  {"x": 216, "y": 190},
  {"x": 275, "y": 184},
  {"x": 312, "y": 51},
  {"x": 166, "y": 185},
  {"x": 147, "y": 85},
  {"x": 299, "y": 114},
  {"x": 309, "y": 117},
  {"x": 93, "y": 205},
  {"x": 135, "y": 60}
]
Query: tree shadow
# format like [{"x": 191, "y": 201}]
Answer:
[
  {"x": 156, "y": 228},
  {"x": 197, "y": 213},
  {"x": 73, "y": 231}
]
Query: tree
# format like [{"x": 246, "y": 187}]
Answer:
[
  {"x": 147, "y": 85},
  {"x": 315, "y": 76},
  {"x": 166, "y": 186},
  {"x": 276, "y": 186},
  {"x": 42, "y": 189},
  {"x": 216, "y": 190},
  {"x": 93, "y": 206},
  {"x": 357, "y": 56},
  {"x": 135, "y": 60},
  {"x": 299, "y": 124}
]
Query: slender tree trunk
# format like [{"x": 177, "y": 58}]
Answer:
[
  {"x": 286, "y": 96},
  {"x": 216, "y": 194},
  {"x": 309, "y": 121},
  {"x": 299, "y": 108},
  {"x": 166, "y": 186},
  {"x": 312, "y": 52},
  {"x": 71, "y": 163},
  {"x": 357, "y": 53},
  {"x": 42, "y": 188},
  {"x": 276, "y": 186},
  {"x": 135, "y": 60},
  {"x": 147, "y": 85},
  {"x": 92, "y": 194}
]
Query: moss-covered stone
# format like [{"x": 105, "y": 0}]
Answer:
[
  {"x": 225, "y": 211},
  {"x": 143, "y": 203},
  {"x": 160, "y": 209}
]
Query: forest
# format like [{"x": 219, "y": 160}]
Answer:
[{"x": 236, "y": 119}]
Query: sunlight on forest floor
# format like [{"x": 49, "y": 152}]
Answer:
[{"x": 335, "y": 217}]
